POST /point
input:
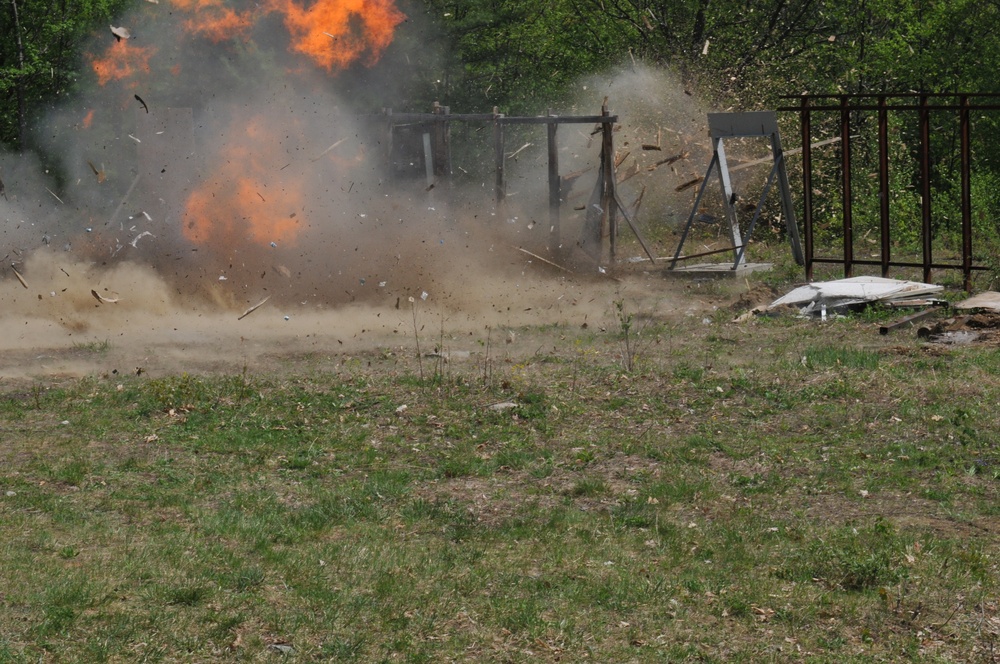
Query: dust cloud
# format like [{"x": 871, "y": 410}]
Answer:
[{"x": 214, "y": 199}]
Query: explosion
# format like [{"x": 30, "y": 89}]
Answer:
[
  {"x": 122, "y": 61},
  {"x": 336, "y": 33},
  {"x": 245, "y": 201}
]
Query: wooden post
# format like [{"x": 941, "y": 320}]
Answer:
[
  {"x": 442, "y": 143},
  {"x": 500, "y": 185},
  {"x": 608, "y": 203},
  {"x": 389, "y": 166},
  {"x": 555, "y": 184}
]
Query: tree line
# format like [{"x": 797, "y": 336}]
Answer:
[{"x": 522, "y": 55}]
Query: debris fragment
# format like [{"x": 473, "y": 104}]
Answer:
[
  {"x": 139, "y": 99},
  {"x": 689, "y": 184},
  {"x": 986, "y": 300},
  {"x": 103, "y": 300},
  {"x": 253, "y": 308},
  {"x": 965, "y": 329},
  {"x": 519, "y": 150},
  {"x": 669, "y": 160},
  {"x": 906, "y": 321},
  {"x": 544, "y": 260},
  {"x": 18, "y": 275},
  {"x": 121, "y": 33},
  {"x": 317, "y": 157},
  {"x": 101, "y": 175},
  {"x": 650, "y": 146},
  {"x": 53, "y": 195},
  {"x": 139, "y": 236}
]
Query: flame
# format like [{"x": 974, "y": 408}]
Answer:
[
  {"x": 245, "y": 202},
  {"x": 332, "y": 33},
  {"x": 122, "y": 61},
  {"x": 214, "y": 21},
  {"x": 88, "y": 119},
  {"x": 336, "y": 33}
]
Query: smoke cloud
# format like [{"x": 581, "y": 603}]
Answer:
[{"x": 222, "y": 158}]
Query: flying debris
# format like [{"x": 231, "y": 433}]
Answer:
[
  {"x": 102, "y": 299},
  {"x": 101, "y": 175},
  {"x": 253, "y": 308},
  {"x": 329, "y": 148},
  {"x": 139, "y": 99},
  {"x": 121, "y": 33},
  {"x": 688, "y": 184},
  {"x": 18, "y": 275},
  {"x": 140, "y": 236}
]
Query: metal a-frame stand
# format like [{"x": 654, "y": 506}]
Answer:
[{"x": 759, "y": 124}]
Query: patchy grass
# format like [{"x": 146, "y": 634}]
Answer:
[{"x": 781, "y": 490}]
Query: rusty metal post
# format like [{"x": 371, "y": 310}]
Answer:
[
  {"x": 883, "y": 182},
  {"x": 555, "y": 184},
  {"x": 925, "y": 185},
  {"x": 963, "y": 121},
  {"x": 845, "y": 174},
  {"x": 807, "y": 206}
]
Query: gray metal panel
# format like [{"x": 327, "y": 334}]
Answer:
[
  {"x": 727, "y": 196},
  {"x": 754, "y": 123}
]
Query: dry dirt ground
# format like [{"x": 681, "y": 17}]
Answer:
[{"x": 57, "y": 328}]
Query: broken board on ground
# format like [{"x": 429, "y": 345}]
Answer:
[{"x": 854, "y": 291}]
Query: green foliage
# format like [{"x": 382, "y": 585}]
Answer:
[
  {"x": 40, "y": 55},
  {"x": 520, "y": 55}
]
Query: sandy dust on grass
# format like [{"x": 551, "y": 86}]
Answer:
[{"x": 59, "y": 327}]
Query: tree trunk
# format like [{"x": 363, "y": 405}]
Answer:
[{"x": 22, "y": 114}]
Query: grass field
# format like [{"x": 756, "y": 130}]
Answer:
[{"x": 662, "y": 489}]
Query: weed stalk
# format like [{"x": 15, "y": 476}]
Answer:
[{"x": 416, "y": 336}]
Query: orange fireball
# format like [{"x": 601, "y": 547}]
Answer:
[
  {"x": 121, "y": 61},
  {"x": 247, "y": 201},
  {"x": 337, "y": 33}
]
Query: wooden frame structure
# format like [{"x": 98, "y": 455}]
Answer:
[{"x": 437, "y": 163}]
